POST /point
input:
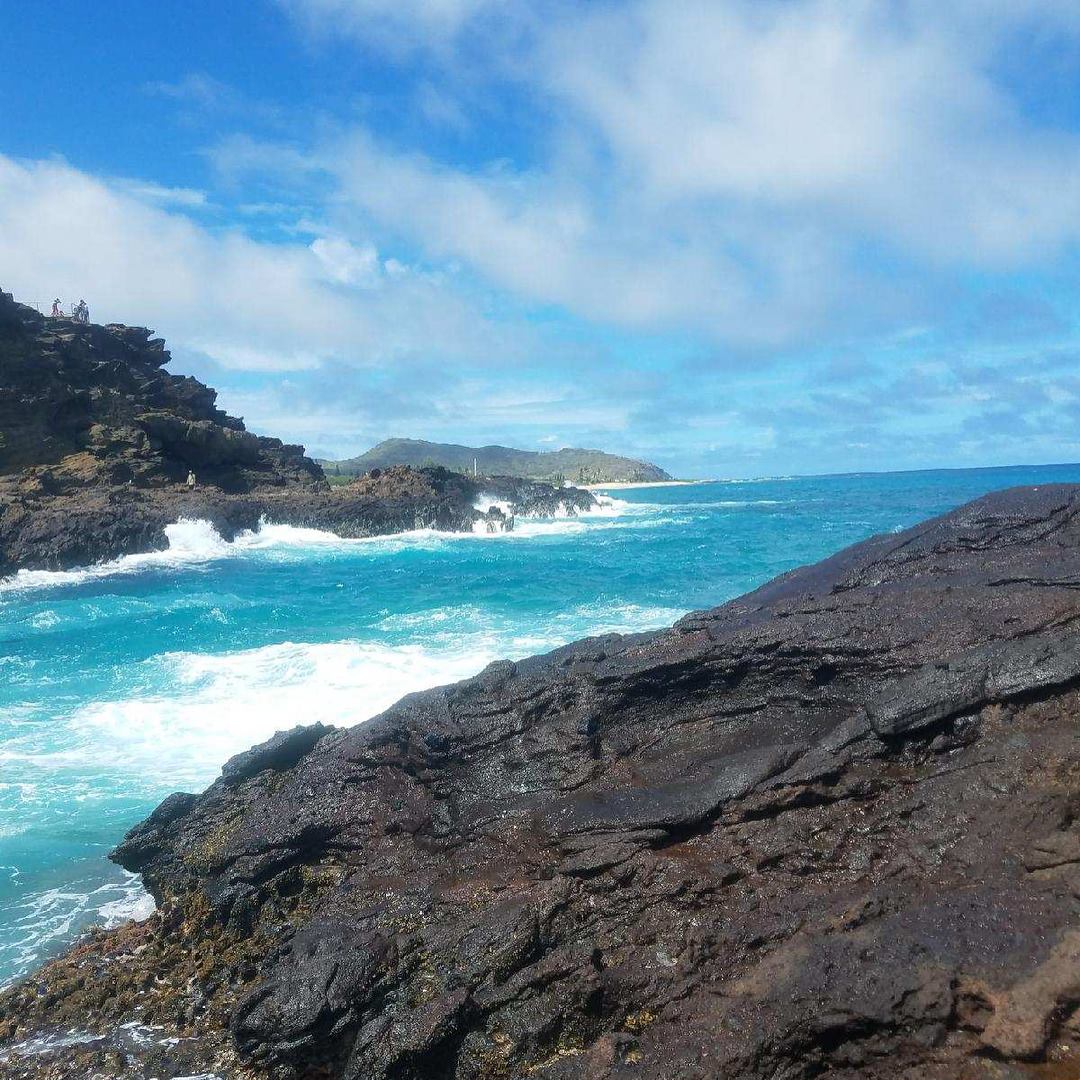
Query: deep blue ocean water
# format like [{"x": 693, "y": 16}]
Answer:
[{"x": 122, "y": 683}]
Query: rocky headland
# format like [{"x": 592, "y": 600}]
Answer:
[
  {"x": 97, "y": 439},
  {"x": 829, "y": 828}
]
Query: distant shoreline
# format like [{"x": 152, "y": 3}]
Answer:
[{"x": 623, "y": 485}]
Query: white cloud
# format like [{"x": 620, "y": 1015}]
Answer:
[
  {"x": 160, "y": 195},
  {"x": 346, "y": 263},
  {"x": 723, "y": 166},
  {"x": 401, "y": 25},
  {"x": 243, "y": 303},
  {"x": 846, "y": 113},
  {"x": 545, "y": 239}
]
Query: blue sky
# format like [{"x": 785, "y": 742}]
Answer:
[{"x": 736, "y": 237}]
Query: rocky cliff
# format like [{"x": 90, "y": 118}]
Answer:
[
  {"x": 94, "y": 404},
  {"x": 830, "y": 828},
  {"x": 96, "y": 440}
]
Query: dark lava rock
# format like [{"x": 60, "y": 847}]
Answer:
[
  {"x": 98, "y": 399},
  {"x": 96, "y": 441},
  {"x": 827, "y": 828},
  {"x": 532, "y": 498}
]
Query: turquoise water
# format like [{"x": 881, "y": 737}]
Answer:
[{"x": 120, "y": 684}]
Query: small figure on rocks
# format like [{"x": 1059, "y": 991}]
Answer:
[
  {"x": 190, "y": 480},
  {"x": 56, "y": 312},
  {"x": 81, "y": 312}
]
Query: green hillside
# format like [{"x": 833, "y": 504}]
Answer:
[{"x": 573, "y": 465}]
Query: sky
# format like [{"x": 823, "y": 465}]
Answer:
[{"x": 733, "y": 237}]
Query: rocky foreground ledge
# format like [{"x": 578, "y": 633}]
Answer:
[
  {"x": 97, "y": 439},
  {"x": 828, "y": 828}
]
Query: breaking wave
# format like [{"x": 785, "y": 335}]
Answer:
[
  {"x": 193, "y": 543},
  {"x": 52, "y": 916}
]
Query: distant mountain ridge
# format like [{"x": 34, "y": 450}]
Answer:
[{"x": 570, "y": 463}]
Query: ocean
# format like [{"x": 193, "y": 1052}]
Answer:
[{"x": 124, "y": 682}]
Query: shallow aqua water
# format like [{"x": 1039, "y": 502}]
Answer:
[{"x": 123, "y": 683}]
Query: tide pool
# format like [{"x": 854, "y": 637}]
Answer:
[{"x": 122, "y": 683}]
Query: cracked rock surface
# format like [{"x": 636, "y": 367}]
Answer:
[{"x": 827, "y": 828}]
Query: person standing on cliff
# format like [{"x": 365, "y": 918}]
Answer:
[
  {"x": 190, "y": 480},
  {"x": 56, "y": 312},
  {"x": 82, "y": 312}
]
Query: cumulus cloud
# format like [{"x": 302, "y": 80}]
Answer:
[
  {"x": 533, "y": 234},
  {"x": 243, "y": 303},
  {"x": 752, "y": 170},
  {"x": 346, "y": 263},
  {"x": 847, "y": 114}
]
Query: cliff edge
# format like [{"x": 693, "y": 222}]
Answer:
[{"x": 93, "y": 404}]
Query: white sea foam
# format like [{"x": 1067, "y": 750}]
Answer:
[
  {"x": 483, "y": 504},
  {"x": 203, "y": 707},
  {"x": 206, "y": 708},
  {"x": 191, "y": 542},
  {"x": 46, "y": 1044},
  {"x": 55, "y": 915},
  {"x": 126, "y": 1037},
  {"x": 486, "y": 502},
  {"x": 195, "y": 542},
  {"x": 269, "y": 536},
  {"x": 609, "y": 506},
  {"x": 554, "y": 524},
  {"x": 606, "y": 507}
]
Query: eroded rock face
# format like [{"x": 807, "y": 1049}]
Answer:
[
  {"x": 98, "y": 397},
  {"x": 96, "y": 441},
  {"x": 830, "y": 827}
]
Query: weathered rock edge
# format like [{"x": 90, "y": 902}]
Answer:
[{"x": 829, "y": 827}]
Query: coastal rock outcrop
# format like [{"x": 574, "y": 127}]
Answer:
[
  {"x": 97, "y": 439},
  {"x": 830, "y": 827},
  {"x": 93, "y": 404}
]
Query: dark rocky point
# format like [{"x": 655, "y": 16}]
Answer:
[
  {"x": 830, "y": 828},
  {"x": 96, "y": 441}
]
